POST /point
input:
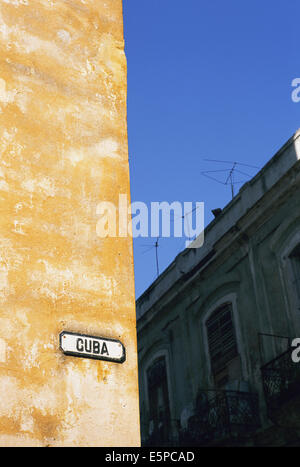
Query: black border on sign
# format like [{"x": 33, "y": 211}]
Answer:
[{"x": 93, "y": 357}]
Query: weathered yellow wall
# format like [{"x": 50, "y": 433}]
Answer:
[{"x": 63, "y": 143}]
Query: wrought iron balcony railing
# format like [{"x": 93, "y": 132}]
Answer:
[
  {"x": 221, "y": 416},
  {"x": 281, "y": 381}
]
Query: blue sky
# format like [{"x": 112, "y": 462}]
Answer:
[{"x": 206, "y": 80}]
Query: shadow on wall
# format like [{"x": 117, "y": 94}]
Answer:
[{"x": 215, "y": 361}]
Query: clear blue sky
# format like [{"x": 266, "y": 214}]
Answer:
[{"x": 206, "y": 79}]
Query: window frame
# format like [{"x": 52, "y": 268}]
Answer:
[
  {"x": 240, "y": 343},
  {"x": 159, "y": 354},
  {"x": 294, "y": 258},
  {"x": 219, "y": 363}
]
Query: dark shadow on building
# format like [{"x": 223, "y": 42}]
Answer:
[{"x": 215, "y": 328}]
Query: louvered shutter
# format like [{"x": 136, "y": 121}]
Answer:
[{"x": 221, "y": 338}]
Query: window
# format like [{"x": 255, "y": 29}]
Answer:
[
  {"x": 222, "y": 345},
  {"x": 159, "y": 397},
  {"x": 295, "y": 261}
]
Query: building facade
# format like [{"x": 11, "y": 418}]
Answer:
[{"x": 215, "y": 329}]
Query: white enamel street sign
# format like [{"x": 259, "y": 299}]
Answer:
[{"x": 100, "y": 348}]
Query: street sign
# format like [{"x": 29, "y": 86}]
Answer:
[{"x": 99, "y": 348}]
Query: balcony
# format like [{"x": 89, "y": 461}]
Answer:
[
  {"x": 222, "y": 418},
  {"x": 281, "y": 383}
]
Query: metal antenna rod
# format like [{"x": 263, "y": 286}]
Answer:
[
  {"x": 156, "y": 251},
  {"x": 230, "y": 177},
  {"x": 149, "y": 248}
]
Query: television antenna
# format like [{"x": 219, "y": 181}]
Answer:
[
  {"x": 185, "y": 219},
  {"x": 230, "y": 172},
  {"x": 150, "y": 247}
]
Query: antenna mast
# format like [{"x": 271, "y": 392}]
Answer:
[
  {"x": 156, "y": 254},
  {"x": 149, "y": 248}
]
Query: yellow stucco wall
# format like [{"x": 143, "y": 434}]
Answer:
[{"x": 63, "y": 143}]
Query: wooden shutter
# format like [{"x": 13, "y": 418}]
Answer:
[
  {"x": 221, "y": 338},
  {"x": 158, "y": 395}
]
